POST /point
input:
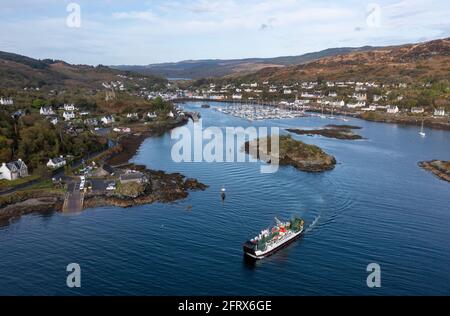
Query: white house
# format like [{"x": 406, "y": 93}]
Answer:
[
  {"x": 237, "y": 96},
  {"x": 339, "y": 104},
  {"x": 151, "y": 115},
  {"x": 417, "y": 110},
  {"x": 332, "y": 94},
  {"x": 370, "y": 108},
  {"x": 68, "y": 115},
  {"x": 377, "y": 98},
  {"x": 46, "y": 111},
  {"x": 359, "y": 104},
  {"x": 392, "y": 109},
  {"x": 287, "y": 91},
  {"x": 69, "y": 107},
  {"x": 272, "y": 90},
  {"x": 13, "y": 170},
  {"x": 170, "y": 114},
  {"x": 254, "y": 85},
  {"x": 439, "y": 112},
  {"x": 6, "y": 101},
  {"x": 360, "y": 96},
  {"x": 108, "y": 119},
  {"x": 133, "y": 116},
  {"x": 56, "y": 163}
]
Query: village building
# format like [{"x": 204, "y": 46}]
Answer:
[
  {"x": 359, "y": 104},
  {"x": 69, "y": 107},
  {"x": 68, "y": 115},
  {"x": 439, "y": 112},
  {"x": 417, "y": 110},
  {"x": 107, "y": 119},
  {"x": 377, "y": 98},
  {"x": 6, "y": 101},
  {"x": 46, "y": 111},
  {"x": 392, "y": 109},
  {"x": 13, "y": 170},
  {"x": 132, "y": 116},
  {"x": 56, "y": 163},
  {"x": 370, "y": 108},
  {"x": 360, "y": 96}
]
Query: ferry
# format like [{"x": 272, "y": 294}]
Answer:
[{"x": 271, "y": 240}]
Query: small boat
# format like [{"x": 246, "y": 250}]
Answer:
[
  {"x": 322, "y": 115},
  {"x": 422, "y": 133},
  {"x": 222, "y": 193}
]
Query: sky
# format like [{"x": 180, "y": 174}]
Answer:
[{"x": 115, "y": 32}]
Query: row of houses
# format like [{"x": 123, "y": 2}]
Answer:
[
  {"x": 18, "y": 169},
  {"x": 6, "y": 101}
]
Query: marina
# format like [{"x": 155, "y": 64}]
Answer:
[{"x": 256, "y": 112}]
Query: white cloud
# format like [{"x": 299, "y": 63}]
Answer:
[
  {"x": 138, "y": 15},
  {"x": 115, "y": 32}
]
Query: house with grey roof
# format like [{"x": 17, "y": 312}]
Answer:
[
  {"x": 13, "y": 170},
  {"x": 55, "y": 163}
]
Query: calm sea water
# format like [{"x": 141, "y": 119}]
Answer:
[{"x": 376, "y": 206}]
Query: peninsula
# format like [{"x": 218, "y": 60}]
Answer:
[{"x": 438, "y": 167}]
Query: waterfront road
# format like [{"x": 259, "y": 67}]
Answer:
[{"x": 74, "y": 198}]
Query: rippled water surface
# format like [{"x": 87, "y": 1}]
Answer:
[{"x": 375, "y": 206}]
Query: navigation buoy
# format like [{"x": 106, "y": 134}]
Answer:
[{"x": 222, "y": 194}]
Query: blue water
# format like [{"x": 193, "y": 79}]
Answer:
[{"x": 377, "y": 206}]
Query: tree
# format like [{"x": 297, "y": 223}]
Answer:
[
  {"x": 38, "y": 143},
  {"x": 38, "y": 103}
]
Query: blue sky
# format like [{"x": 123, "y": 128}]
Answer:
[{"x": 143, "y": 32}]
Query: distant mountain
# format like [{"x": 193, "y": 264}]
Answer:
[
  {"x": 17, "y": 71},
  {"x": 428, "y": 60},
  {"x": 213, "y": 68}
]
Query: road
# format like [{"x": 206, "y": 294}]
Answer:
[{"x": 74, "y": 198}]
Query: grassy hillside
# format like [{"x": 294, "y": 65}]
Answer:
[
  {"x": 196, "y": 69},
  {"x": 402, "y": 63},
  {"x": 20, "y": 72}
]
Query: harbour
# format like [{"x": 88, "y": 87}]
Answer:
[{"x": 354, "y": 215}]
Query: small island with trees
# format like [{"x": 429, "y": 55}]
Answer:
[{"x": 304, "y": 157}]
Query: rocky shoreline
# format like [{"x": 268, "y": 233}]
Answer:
[
  {"x": 162, "y": 187},
  {"x": 438, "y": 167},
  {"x": 129, "y": 144},
  {"x": 304, "y": 157},
  {"x": 330, "y": 131},
  {"x": 430, "y": 122},
  {"x": 30, "y": 202}
]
